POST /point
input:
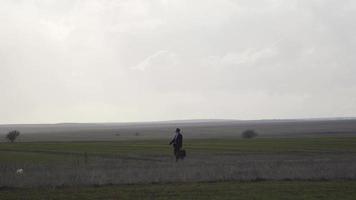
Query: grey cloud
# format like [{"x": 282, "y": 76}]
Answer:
[{"x": 138, "y": 60}]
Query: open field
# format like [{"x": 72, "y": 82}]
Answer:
[
  {"x": 133, "y": 162},
  {"x": 56, "y": 150},
  {"x": 321, "y": 165},
  {"x": 191, "y": 129},
  {"x": 267, "y": 190}
]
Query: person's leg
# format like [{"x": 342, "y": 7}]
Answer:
[
  {"x": 174, "y": 149},
  {"x": 179, "y": 153},
  {"x": 176, "y": 153}
]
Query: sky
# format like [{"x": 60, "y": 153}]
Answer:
[{"x": 139, "y": 60}]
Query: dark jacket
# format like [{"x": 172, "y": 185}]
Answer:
[{"x": 177, "y": 141}]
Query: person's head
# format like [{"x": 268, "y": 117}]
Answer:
[{"x": 177, "y": 130}]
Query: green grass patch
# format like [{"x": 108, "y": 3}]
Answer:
[
  {"x": 268, "y": 190},
  {"x": 51, "y": 151},
  {"x": 273, "y": 145},
  {"x": 29, "y": 157}
]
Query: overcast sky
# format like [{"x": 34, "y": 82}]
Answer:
[{"x": 140, "y": 60}]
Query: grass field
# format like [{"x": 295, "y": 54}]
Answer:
[
  {"x": 214, "y": 169},
  {"x": 59, "y": 151},
  {"x": 192, "y": 129},
  {"x": 268, "y": 190}
]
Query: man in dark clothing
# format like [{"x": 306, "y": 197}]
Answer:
[{"x": 177, "y": 142}]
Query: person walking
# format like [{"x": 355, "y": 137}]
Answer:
[{"x": 177, "y": 142}]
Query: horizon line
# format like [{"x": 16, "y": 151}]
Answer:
[{"x": 186, "y": 120}]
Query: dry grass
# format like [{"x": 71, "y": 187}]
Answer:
[{"x": 198, "y": 167}]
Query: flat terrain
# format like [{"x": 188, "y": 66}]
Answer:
[
  {"x": 138, "y": 163},
  {"x": 267, "y": 190},
  {"x": 192, "y": 129},
  {"x": 151, "y": 161},
  {"x": 56, "y": 151}
]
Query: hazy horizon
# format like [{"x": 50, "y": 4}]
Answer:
[
  {"x": 135, "y": 61},
  {"x": 188, "y": 121}
]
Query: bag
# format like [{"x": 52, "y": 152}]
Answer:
[{"x": 181, "y": 154}]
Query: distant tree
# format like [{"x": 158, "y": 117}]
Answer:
[
  {"x": 12, "y": 135},
  {"x": 249, "y": 134}
]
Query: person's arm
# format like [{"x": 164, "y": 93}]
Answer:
[{"x": 172, "y": 141}]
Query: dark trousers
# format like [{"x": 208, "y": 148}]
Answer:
[{"x": 176, "y": 151}]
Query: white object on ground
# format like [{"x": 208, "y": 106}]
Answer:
[{"x": 19, "y": 171}]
